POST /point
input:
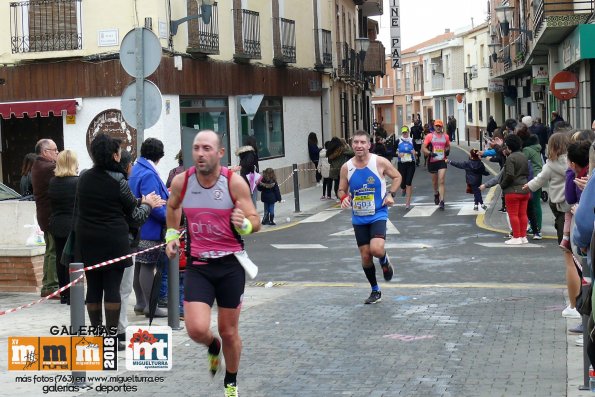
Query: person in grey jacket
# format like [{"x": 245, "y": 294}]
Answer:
[{"x": 514, "y": 177}]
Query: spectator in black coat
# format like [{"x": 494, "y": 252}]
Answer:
[
  {"x": 540, "y": 131},
  {"x": 62, "y": 192},
  {"x": 104, "y": 202},
  {"x": 491, "y": 127},
  {"x": 314, "y": 153},
  {"x": 249, "y": 163}
]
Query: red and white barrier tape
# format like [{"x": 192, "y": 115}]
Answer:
[
  {"x": 56, "y": 293},
  {"x": 45, "y": 298}
]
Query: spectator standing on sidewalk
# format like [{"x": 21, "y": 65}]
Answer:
[
  {"x": 26, "y": 185},
  {"x": 514, "y": 178},
  {"x": 491, "y": 127},
  {"x": 363, "y": 189},
  {"x": 145, "y": 179},
  {"x": 104, "y": 203},
  {"x": 62, "y": 193},
  {"x": 42, "y": 172},
  {"x": 337, "y": 154},
  {"x": 314, "y": 153},
  {"x": 213, "y": 271},
  {"x": 248, "y": 155},
  {"x": 540, "y": 131},
  {"x": 269, "y": 195},
  {"x": 532, "y": 149},
  {"x": 554, "y": 173},
  {"x": 177, "y": 170},
  {"x": 324, "y": 168}
]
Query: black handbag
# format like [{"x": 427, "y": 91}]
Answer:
[
  {"x": 68, "y": 252},
  {"x": 583, "y": 299}
]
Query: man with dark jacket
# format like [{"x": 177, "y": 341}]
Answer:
[
  {"x": 41, "y": 173},
  {"x": 491, "y": 127},
  {"x": 540, "y": 131},
  {"x": 417, "y": 134}
]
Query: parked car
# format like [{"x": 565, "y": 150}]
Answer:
[{"x": 7, "y": 193}]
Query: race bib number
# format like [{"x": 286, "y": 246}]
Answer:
[
  {"x": 406, "y": 158},
  {"x": 439, "y": 154},
  {"x": 364, "y": 204}
]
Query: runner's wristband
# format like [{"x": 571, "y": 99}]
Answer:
[
  {"x": 246, "y": 227},
  {"x": 171, "y": 234}
]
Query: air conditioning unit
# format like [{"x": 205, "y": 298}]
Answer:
[
  {"x": 538, "y": 96},
  {"x": 408, "y": 98}
]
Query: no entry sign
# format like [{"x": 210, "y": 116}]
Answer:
[{"x": 564, "y": 85}]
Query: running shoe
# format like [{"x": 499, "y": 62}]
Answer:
[
  {"x": 441, "y": 206},
  {"x": 484, "y": 207},
  {"x": 231, "y": 390},
  {"x": 577, "y": 330},
  {"x": 214, "y": 362},
  {"x": 375, "y": 297},
  {"x": 387, "y": 270},
  {"x": 514, "y": 241},
  {"x": 537, "y": 236},
  {"x": 525, "y": 241},
  {"x": 570, "y": 312},
  {"x": 437, "y": 198},
  {"x": 475, "y": 208}
]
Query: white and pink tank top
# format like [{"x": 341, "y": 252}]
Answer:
[{"x": 208, "y": 216}]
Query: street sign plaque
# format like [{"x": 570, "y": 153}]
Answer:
[{"x": 152, "y": 104}]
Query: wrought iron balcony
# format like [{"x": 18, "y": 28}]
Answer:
[
  {"x": 284, "y": 41},
  {"x": 570, "y": 11},
  {"x": 325, "y": 53},
  {"x": 346, "y": 61},
  {"x": 203, "y": 38},
  {"x": 374, "y": 63},
  {"x": 247, "y": 34},
  {"x": 45, "y": 25}
]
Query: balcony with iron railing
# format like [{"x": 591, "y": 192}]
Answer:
[
  {"x": 203, "y": 38},
  {"x": 246, "y": 35},
  {"x": 325, "y": 49},
  {"x": 384, "y": 91},
  {"x": 284, "y": 41},
  {"x": 45, "y": 25},
  {"x": 557, "y": 13},
  {"x": 345, "y": 61}
]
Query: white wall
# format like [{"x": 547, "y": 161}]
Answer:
[{"x": 167, "y": 129}]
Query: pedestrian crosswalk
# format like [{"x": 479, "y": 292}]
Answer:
[{"x": 390, "y": 229}]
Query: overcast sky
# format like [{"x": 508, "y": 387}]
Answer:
[{"x": 423, "y": 19}]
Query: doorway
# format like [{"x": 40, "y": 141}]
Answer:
[{"x": 19, "y": 136}]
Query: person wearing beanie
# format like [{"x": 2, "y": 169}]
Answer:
[{"x": 528, "y": 121}]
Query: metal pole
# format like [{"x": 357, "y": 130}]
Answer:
[
  {"x": 468, "y": 138},
  {"x": 173, "y": 293},
  {"x": 481, "y": 140},
  {"x": 458, "y": 137},
  {"x": 140, "y": 90},
  {"x": 586, "y": 362},
  {"x": 77, "y": 313},
  {"x": 296, "y": 188}
]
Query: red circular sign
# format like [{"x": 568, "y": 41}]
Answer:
[{"x": 564, "y": 85}]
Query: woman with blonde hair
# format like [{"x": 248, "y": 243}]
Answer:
[{"x": 62, "y": 193}]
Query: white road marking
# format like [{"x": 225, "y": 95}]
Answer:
[
  {"x": 420, "y": 211},
  {"x": 390, "y": 229},
  {"x": 406, "y": 245},
  {"x": 502, "y": 245},
  {"x": 468, "y": 210},
  {"x": 298, "y": 246},
  {"x": 321, "y": 216}
]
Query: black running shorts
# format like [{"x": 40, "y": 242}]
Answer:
[
  {"x": 223, "y": 279},
  {"x": 406, "y": 170},
  {"x": 433, "y": 167},
  {"x": 365, "y": 233}
]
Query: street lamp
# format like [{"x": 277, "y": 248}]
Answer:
[
  {"x": 504, "y": 15},
  {"x": 494, "y": 47},
  {"x": 361, "y": 47},
  {"x": 206, "y": 10}
]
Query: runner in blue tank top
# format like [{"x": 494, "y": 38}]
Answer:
[{"x": 362, "y": 188}]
